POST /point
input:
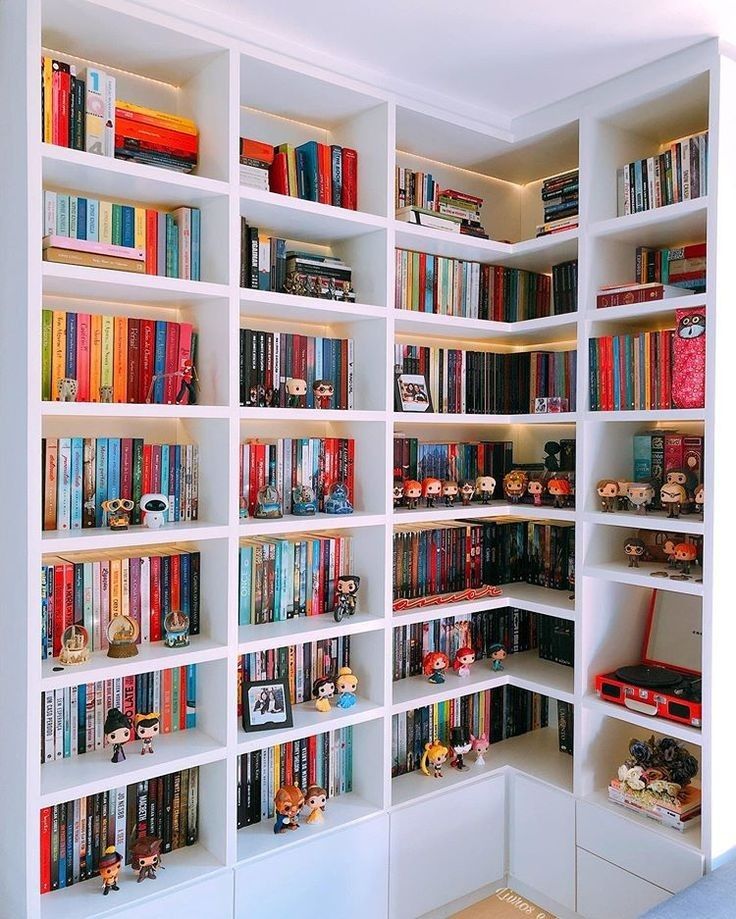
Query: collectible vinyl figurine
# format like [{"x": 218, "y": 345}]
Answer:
[
  {"x": 315, "y": 801},
  {"x": 434, "y": 665},
  {"x": 561, "y": 491},
  {"x": 673, "y": 497},
  {"x": 412, "y": 493},
  {"x": 337, "y": 501},
  {"x": 535, "y": 488},
  {"x": 106, "y": 394},
  {"x": 118, "y": 512},
  {"x": 188, "y": 374},
  {"x": 607, "y": 490},
  {"x": 467, "y": 491},
  {"x": 146, "y": 728},
  {"x": 122, "y": 636},
  {"x": 117, "y": 732},
  {"x": 176, "y": 629},
  {"x": 287, "y": 803},
  {"x": 623, "y": 495},
  {"x": 155, "y": 508},
  {"x": 434, "y": 757},
  {"x": 514, "y": 485},
  {"x": 431, "y": 489},
  {"x": 449, "y": 492},
  {"x": 268, "y": 503},
  {"x": 485, "y": 485},
  {"x": 480, "y": 747},
  {"x": 109, "y": 866},
  {"x": 323, "y": 392},
  {"x": 322, "y": 691},
  {"x": 398, "y": 492},
  {"x": 460, "y": 744},
  {"x": 634, "y": 549},
  {"x": 303, "y": 501},
  {"x": 74, "y": 645},
  {"x": 146, "y": 857},
  {"x": 679, "y": 477},
  {"x": 346, "y": 684},
  {"x": 463, "y": 659},
  {"x": 497, "y": 655},
  {"x": 668, "y": 547},
  {"x": 641, "y": 495},
  {"x": 296, "y": 390},
  {"x": 699, "y": 499},
  {"x": 686, "y": 554},
  {"x": 346, "y": 590},
  {"x": 66, "y": 389}
]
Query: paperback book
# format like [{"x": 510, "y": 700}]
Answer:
[{"x": 678, "y": 172}]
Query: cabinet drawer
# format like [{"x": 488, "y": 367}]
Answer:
[
  {"x": 608, "y": 892},
  {"x": 636, "y": 848}
]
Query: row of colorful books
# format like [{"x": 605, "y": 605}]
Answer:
[
  {"x": 91, "y": 589},
  {"x": 321, "y": 760},
  {"x": 293, "y": 462},
  {"x": 420, "y": 200},
  {"x": 115, "y": 358},
  {"x": 73, "y": 718},
  {"x": 456, "y": 461},
  {"x": 498, "y": 713},
  {"x": 300, "y": 665},
  {"x": 79, "y": 473},
  {"x": 681, "y": 266},
  {"x": 284, "y": 578},
  {"x": 678, "y": 172},
  {"x": 632, "y": 371},
  {"x": 75, "y": 834},
  {"x": 530, "y": 551},
  {"x": 484, "y": 382},
  {"x": 515, "y": 629},
  {"x": 269, "y": 359},
  {"x": 105, "y": 234},
  {"x": 155, "y": 138},
  {"x": 560, "y": 202}
]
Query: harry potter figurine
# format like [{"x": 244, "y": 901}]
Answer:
[
  {"x": 398, "y": 493},
  {"x": 641, "y": 495},
  {"x": 467, "y": 490},
  {"x": 296, "y": 390},
  {"x": 673, "y": 497},
  {"x": 287, "y": 803},
  {"x": 535, "y": 489},
  {"x": 117, "y": 732},
  {"x": 109, "y": 867},
  {"x": 607, "y": 490},
  {"x": 346, "y": 590},
  {"x": 514, "y": 485},
  {"x": 699, "y": 498},
  {"x": 431, "y": 489},
  {"x": 146, "y": 857},
  {"x": 323, "y": 391},
  {"x": 686, "y": 554},
  {"x": 560, "y": 490},
  {"x": 412, "y": 493},
  {"x": 449, "y": 492},
  {"x": 634, "y": 549}
]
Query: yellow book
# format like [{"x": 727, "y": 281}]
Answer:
[
  {"x": 120, "y": 360},
  {"x": 95, "y": 358},
  {"x": 105, "y": 232},
  {"x": 116, "y": 587},
  {"x": 58, "y": 351},
  {"x": 106, "y": 351},
  {"x": 47, "y": 95},
  {"x": 140, "y": 228},
  {"x": 165, "y": 119}
]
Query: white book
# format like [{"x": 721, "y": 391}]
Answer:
[
  {"x": 351, "y": 371},
  {"x": 120, "y": 826},
  {"x": 94, "y": 120},
  {"x": 49, "y": 213},
  {"x": 125, "y": 586},
  {"x": 117, "y": 694},
  {"x": 157, "y": 691},
  {"x": 105, "y": 220},
  {"x": 88, "y": 601},
  {"x": 58, "y": 723},
  {"x": 96, "y": 606},
  {"x": 90, "y": 720},
  {"x": 108, "y": 98},
  {"x": 48, "y": 723},
  {"x": 650, "y": 180}
]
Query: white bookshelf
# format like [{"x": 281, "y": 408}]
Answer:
[{"x": 231, "y": 88}]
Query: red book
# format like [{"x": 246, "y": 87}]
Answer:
[
  {"x": 155, "y": 599},
  {"x": 153, "y": 119},
  {"x": 45, "y": 849},
  {"x": 147, "y": 339},
  {"x": 84, "y": 331},
  {"x": 151, "y": 249},
  {"x": 256, "y": 150},
  {"x": 134, "y": 360},
  {"x": 68, "y": 600},
  {"x": 65, "y": 88},
  {"x": 147, "y": 479},
  {"x": 324, "y": 174},
  {"x": 350, "y": 178},
  {"x": 694, "y": 250},
  {"x": 151, "y": 134},
  {"x": 692, "y": 455},
  {"x": 131, "y": 145},
  {"x": 686, "y": 276},
  {"x": 278, "y": 175},
  {"x": 175, "y": 581},
  {"x": 633, "y": 295},
  {"x": 461, "y": 195},
  {"x": 126, "y": 467},
  {"x": 171, "y": 365}
]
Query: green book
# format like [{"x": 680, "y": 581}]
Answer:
[
  {"x": 46, "y": 321},
  {"x": 117, "y": 225}
]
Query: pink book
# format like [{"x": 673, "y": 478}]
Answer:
[
  {"x": 171, "y": 382},
  {"x": 84, "y": 331},
  {"x": 185, "y": 353},
  {"x": 88, "y": 245}
]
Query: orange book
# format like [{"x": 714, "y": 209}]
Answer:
[
  {"x": 120, "y": 359},
  {"x": 95, "y": 358}
]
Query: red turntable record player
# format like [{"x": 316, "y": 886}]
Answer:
[{"x": 667, "y": 683}]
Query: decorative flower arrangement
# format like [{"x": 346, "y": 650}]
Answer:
[{"x": 657, "y": 768}]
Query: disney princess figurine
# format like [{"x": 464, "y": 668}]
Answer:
[
  {"x": 467, "y": 492},
  {"x": 449, "y": 492},
  {"x": 535, "y": 489},
  {"x": 434, "y": 758},
  {"x": 346, "y": 684},
  {"x": 315, "y": 801},
  {"x": 497, "y": 655},
  {"x": 431, "y": 489},
  {"x": 118, "y": 731},
  {"x": 288, "y": 802},
  {"x": 412, "y": 493},
  {"x": 460, "y": 745},
  {"x": 485, "y": 485},
  {"x": 147, "y": 726},
  {"x": 434, "y": 665},
  {"x": 479, "y": 746},
  {"x": 514, "y": 485},
  {"x": 322, "y": 691},
  {"x": 464, "y": 657}
]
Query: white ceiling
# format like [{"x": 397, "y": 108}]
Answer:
[{"x": 527, "y": 53}]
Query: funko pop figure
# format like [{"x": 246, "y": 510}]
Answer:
[
  {"x": 686, "y": 554},
  {"x": 346, "y": 684},
  {"x": 699, "y": 498},
  {"x": 118, "y": 512},
  {"x": 323, "y": 391},
  {"x": 118, "y": 732},
  {"x": 412, "y": 493},
  {"x": 296, "y": 390},
  {"x": 431, "y": 490},
  {"x": 288, "y": 802},
  {"x": 322, "y": 691},
  {"x": 607, "y": 491},
  {"x": 497, "y": 655},
  {"x": 467, "y": 491},
  {"x": 316, "y": 800},
  {"x": 641, "y": 495},
  {"x": 535, "y": 490},
  {"x": 146, "y": 728},
  {"x": 673, "y": 497},
  {"x": 485, "y": 485},
  {"x": 449, "y": 492},
  {"x": 155, "y": 508},
  {"x": 623, "y": 495},
  {"x": 109, "y": 866},
  {"x": 561, "y": 491},
  {"x": 398, "y": 492},
  {"x": 679, "y": 477},
  {"x": 668, "y": 547},
  {"x": 480, "y": 746},
  {"x": 434, "y": 665},
  {"x": 464, "y": 657},
  {"x": 460, "y": 745},
  {"x": 634, "y": 549},
  {"x": 146, "y": 857},
  {"x": 434, "y": 758},
  {"x": 514, "y": 485}
]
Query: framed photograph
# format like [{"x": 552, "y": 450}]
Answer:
[
  {"x": 412, "y": 393},
  {"x": 266, "y": 705}
]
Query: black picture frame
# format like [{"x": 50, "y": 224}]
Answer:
[
  {"x": 272, "y": 693},
  {"x": 412, "y": 393}
]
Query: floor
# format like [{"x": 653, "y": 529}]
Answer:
[{"x": 504, "y": 904}]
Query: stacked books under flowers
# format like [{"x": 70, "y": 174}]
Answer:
[
  {"x": 656, "y": 781},
  {"x": 256, "y": 159},
  {"x": 145, "y": 135},
  {"x": 560, "y": 202}
]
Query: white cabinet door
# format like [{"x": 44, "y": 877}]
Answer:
[
  {"x": 542, "y": 839},
  {"x": 446, "y": 847},
  {"x": 322, "y": 877},
  {"x": 606, "y": 891}
]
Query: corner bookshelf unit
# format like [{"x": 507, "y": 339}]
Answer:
[{"x": 382, "y": 832}]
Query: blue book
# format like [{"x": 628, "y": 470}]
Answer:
[
  {"x": 165, "y": 474},
  {"x": 185, "y": 570},
  {"x": 77, "y": 472},
  {"x": 81, "y": 218},
  {"x": 62, "y": 214},
  {"x": 191, "y": 720},
  {"x": 71, "y": 345},
  {"x": 100, "y": 481},
  {"x": 307, "y": 172},
  {"x": 82, "y": 717},
  {"x": 68, "y": 827},
  {"x": 172, "y": 247},
  {"x": 159, "y": 362},
  {"x": 642, "y": 457},
  {"x": 113, "y": 467},
  {"x": 177, "y": 482},
  {"x": 93, "y": 219},
  {"x": 196, "y": 243},
  {"x": 161, "y": 243},
  {"x": 246, "y": 562},
  {"x": 128, "y": 220}
]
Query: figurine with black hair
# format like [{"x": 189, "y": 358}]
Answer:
[
  {"x": 634, "y": 549},
  {"x": 460, "y": 744},
  {"x": 118, "y": 731},
  {"x": 347, "y": 595}
]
